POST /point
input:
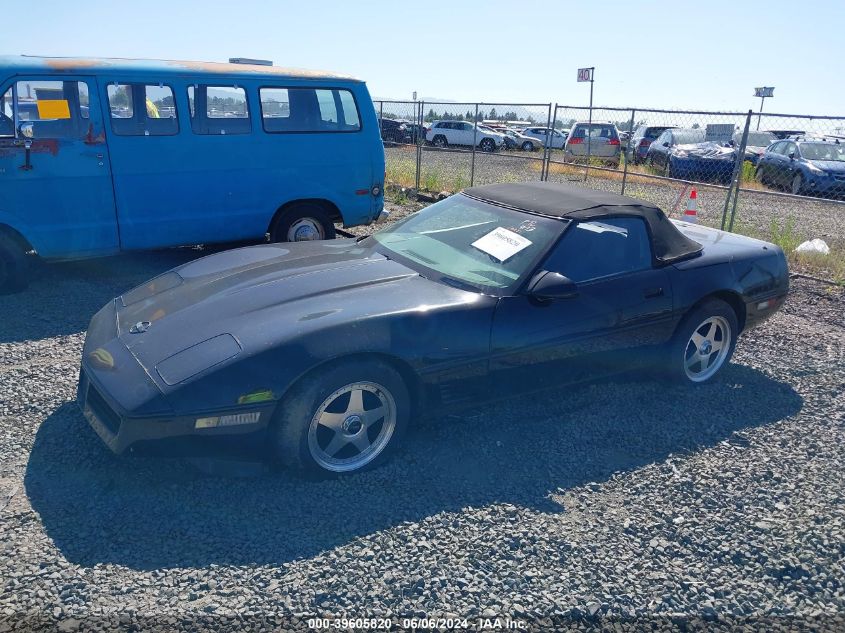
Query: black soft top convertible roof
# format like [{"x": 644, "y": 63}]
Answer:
[{"x": 579, "y": 204}]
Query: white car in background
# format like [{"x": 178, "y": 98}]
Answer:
[
  {"x": 446, "y": 133},
  {"x": 558, "y": 138}
]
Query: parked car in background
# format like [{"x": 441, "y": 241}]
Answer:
[
  {"x": 517, "y": 140},
  {"x": 703, "y": 162},
  {"x": 642, "y": 137},
  {"x": 550, "y": 138},
  {"x": 755, "y": 145},
  {"x": 416, "y": 131},
  {"x": 804, "y": 165},
  {"x": 393, "y": 131},
  {"x": 446, "y": 133},
  {"x": 500, "y": 290},
  {"x": 784, "y": 134},
  {"x": 600, "y": 139},
  {"x": 658, "y": 150}
]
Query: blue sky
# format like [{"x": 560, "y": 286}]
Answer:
[{"x": 680, "y": 54}]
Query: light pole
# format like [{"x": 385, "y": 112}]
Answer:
[
  {"x": 763, "y": 92},
  {"x": 586, "y": 74}
]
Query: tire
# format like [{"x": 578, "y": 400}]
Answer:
[
  {"x": 303, "y": 222},
  {"x": 796, "y": 186},
  {"x": 14, "y": 265},
  {"x": 691, "y": 337},
  {"x": 440, "y": 141},
  {"x": 303, "y": 434},
  {"x": 759, "y": 175},
  {"x": 528, "y": 146},
  {"x": 487, "y": 145}
]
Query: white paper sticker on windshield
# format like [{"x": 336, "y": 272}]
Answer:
[{"x": 501, "y": 244}]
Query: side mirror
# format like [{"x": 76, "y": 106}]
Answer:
[
  {"x": 548, "y": 285},
  {"x": 791, "y": 155},
  {"x": 665, "y": 143},
  {"x": 27, "y": 130}
]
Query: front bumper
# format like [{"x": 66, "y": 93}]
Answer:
[{"x": 118, "y": 430}]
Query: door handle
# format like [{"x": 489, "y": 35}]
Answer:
[{"x": 651, "y": 293}]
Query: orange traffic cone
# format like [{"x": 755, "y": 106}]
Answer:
[{"x": 691, "y": 213}]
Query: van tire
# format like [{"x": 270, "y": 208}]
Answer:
[
  {"x": 14, "y": 265},
  {"x": 301, "y": 222}
]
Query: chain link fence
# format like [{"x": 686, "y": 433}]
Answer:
[{"x": 776, "y": 176}]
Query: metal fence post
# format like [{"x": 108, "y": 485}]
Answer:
[
  {"x": 589, "y": 133},
  {"x": 740, "y": 162},
  {"x": 381, "y": 119},
  {"x": 420, "y": 141},
  {"x": 737, "y": 173},
  {"x": 474, "y": 141},
  {"x": 547, "y": 148},
  {"x": 627, "y": 149}
]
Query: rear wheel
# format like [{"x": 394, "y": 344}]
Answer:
[
  {"x": 440, "y": 141},
  {"x": 302, "y": 223},
  {"x": 487, "y": 145},
  {"x": 342, "y": 420},
  {"x": 703, "y": 343},
  {"x": 14, "y": 265}
]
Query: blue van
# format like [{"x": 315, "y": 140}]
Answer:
[{"x": 99, "y": 156}]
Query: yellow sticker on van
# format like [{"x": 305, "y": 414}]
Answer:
[{"x": 53, "y": 109}]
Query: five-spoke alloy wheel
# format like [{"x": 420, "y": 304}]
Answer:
[
  {"x": 707, "y": 349},
  {"x": 352, "y": 426},
  {"x": 703, "y": 343},
  {"x": 342, "y": 418}
]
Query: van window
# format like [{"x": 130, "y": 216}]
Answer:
[
  {"x": 7, "y": 116},
  {"x": 219, "y": 109},
  {"x": 56, "y": 109},
  {"x": 142, "y": 110},
  {"x": 308, "y": 110}
]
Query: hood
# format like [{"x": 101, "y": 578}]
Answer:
[
  {"x": 217, "y": 294},
  {"x": 832, "y": 166},
  {"x": 249, "y": 297}
]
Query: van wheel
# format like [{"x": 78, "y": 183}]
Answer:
[
  {"x": 14, "y": 266},
  {"x": 302, "y": 223}
]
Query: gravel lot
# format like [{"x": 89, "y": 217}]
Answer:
[
  {"x": 628, "y": 503},
  {"x": 811, "y": 217}
]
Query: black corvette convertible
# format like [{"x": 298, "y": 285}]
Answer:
[{"x": 329, "y": 347}]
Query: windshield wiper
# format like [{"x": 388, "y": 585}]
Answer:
[
  {"x": 457, "y": 283},
  {"x": 361, "y": 237}
]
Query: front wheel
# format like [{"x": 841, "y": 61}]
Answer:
[
  {"x": 344, "y": 419},
  {"x": 302, "y": 223},
  {"x": 528, "y": 146},
  {"x": 797, "y": 185},
  {"x": 487, "y": 145},
  {"x": 703, "y": 343},
  {"x": 14, "y": 266}
]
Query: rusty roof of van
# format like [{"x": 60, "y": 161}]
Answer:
[{"x": 35, "y": 64}]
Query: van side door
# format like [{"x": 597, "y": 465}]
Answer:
[{"x": 55, "y": 178}]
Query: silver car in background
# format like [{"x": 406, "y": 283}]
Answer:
[{"x": 599, "y": 139}]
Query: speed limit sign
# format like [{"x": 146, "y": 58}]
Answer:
[{"x": 585, "y": 74}]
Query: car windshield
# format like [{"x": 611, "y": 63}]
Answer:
[
  {"x": 654, "y": 132},
  {"x": 823, "y": 151},
  {"x": 465, "y": 242},
  {"x": 756, "y": 139}
]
